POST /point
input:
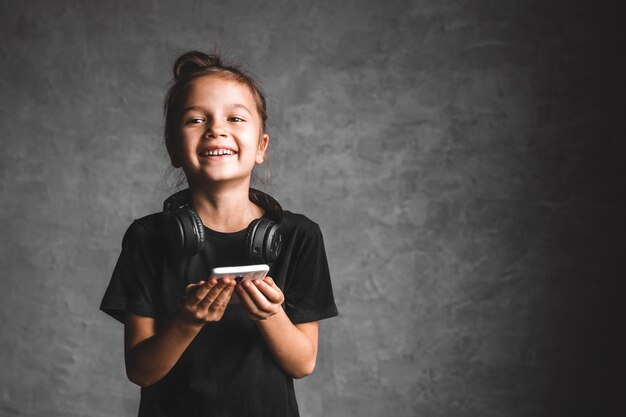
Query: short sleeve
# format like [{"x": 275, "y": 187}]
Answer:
[
  {"x": 308, "y": 289},
  {"x": 132, "y": 286}
]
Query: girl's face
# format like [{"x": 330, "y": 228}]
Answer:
[{"x": 220, "y": 134}]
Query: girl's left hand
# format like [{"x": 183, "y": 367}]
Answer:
[{"x": 261, "y": 298}]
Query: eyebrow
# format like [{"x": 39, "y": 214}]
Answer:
[{"x": 234, "y": 106}]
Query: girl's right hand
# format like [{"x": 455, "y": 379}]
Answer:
[{"x": 205, "y": 302}]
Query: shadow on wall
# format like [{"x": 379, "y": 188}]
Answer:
[{"x": 582, "y": 181}]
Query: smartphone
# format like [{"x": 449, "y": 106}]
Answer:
[{"x": 239, "y": 273}]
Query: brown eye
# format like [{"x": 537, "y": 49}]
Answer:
[
  {"x": 236, "y": 119},
  {"x": 194, "y": 121}
]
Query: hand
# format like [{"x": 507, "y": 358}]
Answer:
[
  {"x": 205, "y": 302},
  {"x": 261, "y": 298}
]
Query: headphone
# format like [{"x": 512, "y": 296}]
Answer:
[{"x": 185, "y": 232}]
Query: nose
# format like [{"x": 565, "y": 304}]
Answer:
[{"x": 215, "y": 129}]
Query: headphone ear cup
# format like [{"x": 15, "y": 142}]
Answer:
[
  {"x": 263, "y": 241},
  {"x": 273, "y": 242},
  {"x": 253, "y": 250},
  {"x": 185, "y": 232}
]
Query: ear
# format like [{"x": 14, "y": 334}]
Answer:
[
  {"x": 264, "y": 142},
  {"x": 174, "y": 153}
]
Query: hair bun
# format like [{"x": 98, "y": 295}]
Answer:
[{"x": 193, "y": 62}]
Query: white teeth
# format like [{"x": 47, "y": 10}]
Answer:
[{"x": 217, "y": 152}]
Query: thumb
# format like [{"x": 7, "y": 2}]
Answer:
[{"x": 189, "y": 288}]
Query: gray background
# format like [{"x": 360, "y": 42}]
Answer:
[{"x": 459, "y": 156}]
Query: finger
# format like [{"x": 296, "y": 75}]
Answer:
[
  {"x": 246, "y": 301},
  {"x": 190, "y": 287},
  {"x": 201, "y": 291},
  {"x": 243, "y": 296},
  {"x": 214, "y": 292},
  {"x": 257, "y": 297},
  {"x": 221, "y": 301},
  {"x": 272, "y": 293},
  {"x": 189, "y": 296}
]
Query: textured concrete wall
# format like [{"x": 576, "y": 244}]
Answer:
[{"x": 459, "y": 157}]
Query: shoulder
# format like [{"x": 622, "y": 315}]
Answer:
[
  {"x": 299, "y": 224},
  {"x": 298, "y": 229},
  {"x": 147, "y": 228},
  {"x": 150, "y": 223}
]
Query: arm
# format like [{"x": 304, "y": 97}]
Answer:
[
  {"x": 294, "y": 346},
  {"x": 150, "y": 355}
]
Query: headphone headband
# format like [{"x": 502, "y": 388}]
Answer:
[
  {"x": 180, "y": 200},
  {"x": 273, "y": 210}
]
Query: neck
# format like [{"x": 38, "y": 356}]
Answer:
[{"x": 225, "y": 208}]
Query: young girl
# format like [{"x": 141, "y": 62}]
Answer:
[{"x": 192, "y": 350}]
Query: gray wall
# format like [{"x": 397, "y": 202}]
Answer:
[{"x": 459, "y": 157}]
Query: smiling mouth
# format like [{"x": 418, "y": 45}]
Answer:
[{"x": 216, "y": 152}]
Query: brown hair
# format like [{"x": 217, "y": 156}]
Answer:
[{"x": 192, "y": 65}]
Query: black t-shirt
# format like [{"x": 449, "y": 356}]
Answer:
[{"x": 227, "y": 370}]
